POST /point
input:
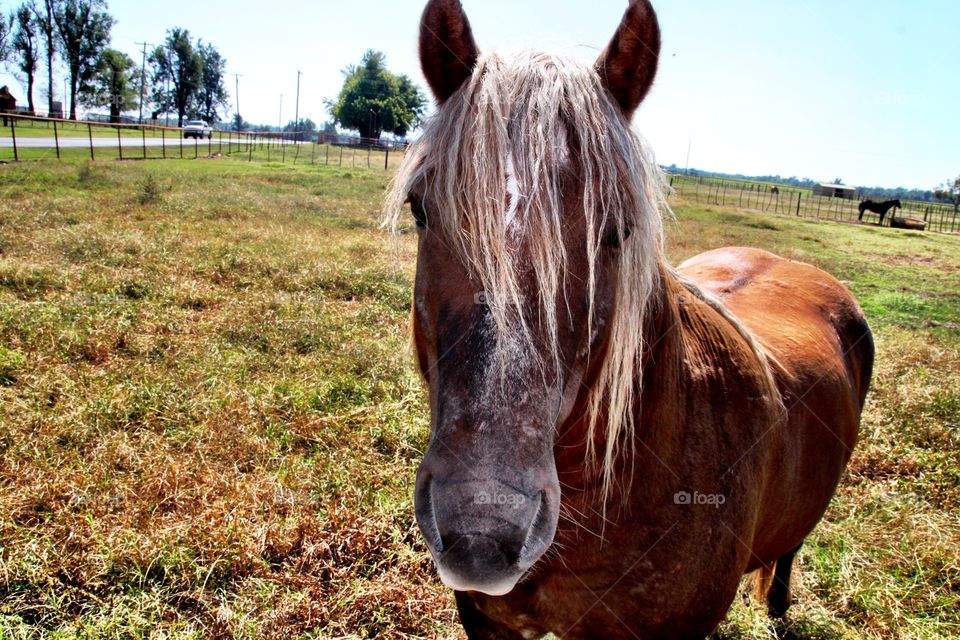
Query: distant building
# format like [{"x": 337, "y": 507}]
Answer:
[
  {"x": 835, "y": 191},
  {"x": 8, "y": 104}
]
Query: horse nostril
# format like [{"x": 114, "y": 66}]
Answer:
[
  {"x": 426, "y": 517},
  {"x": 534, "y": 543}
]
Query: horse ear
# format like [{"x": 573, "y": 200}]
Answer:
[
  {"x": 447, "y": 50},
  {"x": 628, "y": 65}
]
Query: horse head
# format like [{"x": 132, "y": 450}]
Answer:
[{"x": 537, "y": 212}]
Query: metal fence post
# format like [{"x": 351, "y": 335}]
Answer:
[
  {"x": 119, "y": 144},
  {"x": 163, "y": 142},
  {"x": 386, "y": 159},
  {"x": 56, "y": 138},
  {"x": 196, "y": 147},
  {"x": 251, "y": 139},
  {"x": 143, "y": 134},
  {"x": 799, "y": 194},
  {"x": 180, "y": 137},
  {"x": 90, "y": 136}
]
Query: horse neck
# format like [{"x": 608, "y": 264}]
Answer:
[{"x": 656, "y": 387}]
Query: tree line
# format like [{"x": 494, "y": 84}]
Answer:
[{"x": 184, "y": 77}]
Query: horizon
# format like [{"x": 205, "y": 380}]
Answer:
[{"x": 861, "y": 92}]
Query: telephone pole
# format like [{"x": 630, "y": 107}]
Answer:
[
  {"x": 143, "y": 75},
  {"x": 296, "y": 116},
  {"x": 236, "y": 97},
  {"x": 280, "y": 119}
]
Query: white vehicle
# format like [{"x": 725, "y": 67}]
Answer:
[{"x": 197, "y": 129}]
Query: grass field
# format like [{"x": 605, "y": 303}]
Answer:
[{"x": 210, "y": 424}]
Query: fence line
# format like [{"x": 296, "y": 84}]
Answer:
[
  {"x": 759, "y": 196},
  {"x": 25, "y": 137}
]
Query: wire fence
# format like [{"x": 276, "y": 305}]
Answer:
[
  {"x": 25, "y": 138},
  {"x": 762, "y": 196}
]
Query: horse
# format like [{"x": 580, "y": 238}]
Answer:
[
  {"x": 878, "y": 207},
  {"x": 614, "y": 442}
]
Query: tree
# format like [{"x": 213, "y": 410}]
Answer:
[
  {"x": 84, "y": 30},
  {"x": 43, "y": 12},
  {"x": 949, "y": 191},
  {"x": 114, "y": 85},
  {"x": 212, "y": 95},
  {"x": 178, "y": 65},
  {"x": 26, "y": 49},
  {"x": 305, "y": 125},
  {"x": 6, "y": 28},
  {"x": 373, "y": 100}
]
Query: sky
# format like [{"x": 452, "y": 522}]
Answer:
[{"x": 862, "y": 90}]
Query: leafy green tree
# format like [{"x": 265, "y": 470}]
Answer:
[
  {"x": 84, "y": 30},
  {"x": 212, "y": 95},
  {"x": 43, "y": 12},
  {"x": 6, "y": 28},
  {"x": 373, "y": 100},
  {"x": 26, "y": 49},
  {"x": 177, "y": 65},
  {"x": 305, "y": 125},
  {"x": 949, "y": 192},
  {"x": 114, "y": 85}
]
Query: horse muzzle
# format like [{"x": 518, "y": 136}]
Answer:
[{"x": 485, "y": 533}]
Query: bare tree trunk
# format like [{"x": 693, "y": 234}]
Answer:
[{"x": 30, "y": 104}]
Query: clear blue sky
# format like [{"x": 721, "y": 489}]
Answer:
[{"x": 864, "y": 90}]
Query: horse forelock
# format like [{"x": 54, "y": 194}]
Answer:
[{"x": 489, "y": 167}]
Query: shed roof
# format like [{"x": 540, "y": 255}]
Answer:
[{"x": 841, "y": 187}]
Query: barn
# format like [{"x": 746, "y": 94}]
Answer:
[{"x": 830, "y": 190}]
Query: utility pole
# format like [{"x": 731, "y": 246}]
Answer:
[
  {"x": 143, "y": 75},
  {"x": 296, "y": 116},
  {"x": 236, "y": 96},
  {"x": 280, "y": 119},
  {"x": 686, "y": 169}
]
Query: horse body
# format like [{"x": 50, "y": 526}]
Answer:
[
  {"x": 878, "y": 207},
  {"x": 614, "y": 443},
  {"x": 665, "y": 567}
]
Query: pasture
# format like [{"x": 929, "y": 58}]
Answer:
[{"x": 210, "y": 424}]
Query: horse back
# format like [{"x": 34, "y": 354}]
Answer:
[{"x": 822, "y": 351}]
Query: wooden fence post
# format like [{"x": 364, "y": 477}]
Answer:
[
  {"x": 56, "y": 138},
  {"x": 13, "y": 134}
]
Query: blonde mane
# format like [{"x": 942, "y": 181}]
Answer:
[{"x": 517, "y": 115}]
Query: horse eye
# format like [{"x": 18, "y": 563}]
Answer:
[
  {"x": 419, "y": 215},
  {"x": 613, "y": 239}
]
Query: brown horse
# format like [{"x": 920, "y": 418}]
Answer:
[{"x": 614, "y": 443}]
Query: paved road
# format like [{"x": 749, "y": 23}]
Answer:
[{"x": 72, "y": 143}]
